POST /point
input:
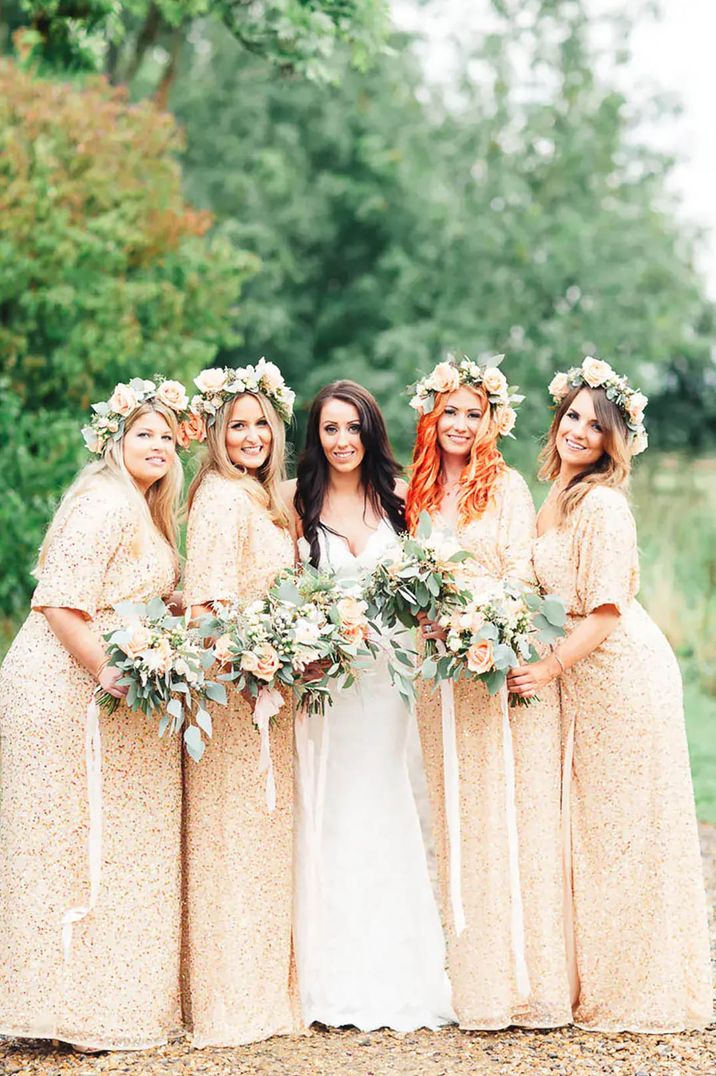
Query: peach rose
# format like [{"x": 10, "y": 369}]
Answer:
[
  {"x": 558, "y": 386},
  {"x": 354, "y": 633},
  {"x": 636, "y": 406},
  {"x": 494, "y": 381},
  {"x": 351, "y": 611},
  {"x": 222, "y": 650},
  {"x": 595, "y": 372},
  {"x": 122, "y": 401},
  {"x": 140, "y": 640},
  {"x": 173, "y": 394},
  {"x": 211, "y": 382},
  {"x": 480, "y": 656},
  {"x": 263, "y": 662},
  {"x": 191, "y": 429},
  {"x": 505, "y": 419},
  {"x": 444, "y": 378}
]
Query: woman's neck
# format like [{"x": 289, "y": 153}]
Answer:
[
  {"x": 451, "y": 468},
  {"x": 344, "y": 484}
]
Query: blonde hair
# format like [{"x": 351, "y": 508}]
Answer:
[
  {"x": 613, "y": 467},
  {"x": 156, "y": 510},
  {"x": 265, "y": 487}
]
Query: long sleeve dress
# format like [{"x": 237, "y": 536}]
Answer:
[
  {"x": 239, "y": 982},
  {"x": 119, "y": 988},
  {"x": 639, "y": 908},
  {"x": 481, "y": 961}
]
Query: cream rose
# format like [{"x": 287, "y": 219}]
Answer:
[
  {"x": 480, "y": 656},
  {"x": 222, "y": 650},
  {"x": 270, "y": 375},
  {"x": 351, "y": 611},
  {"x": 637, "y": 406},
  {"x": 505, "y": 419},
  {"x": 494, "y": 381},
  {"x": 159, "y": 658},
  {"x": 122, "y": 401},
  {"x": 140, "y": 640},
  {"x": 444, "y": 378},
  {"x": 307, "y": 633},
  {"x": 558, "y": 386},
  {"x": 211, "y": 382},
  {"x": 639, "y": 443},
  {"x": 263, "y": 662},
  {"x": 173, "y": 394},
  {"x": 595, "y": 372}
]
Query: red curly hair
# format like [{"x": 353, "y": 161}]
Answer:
[{"x": 478, "y": 479}]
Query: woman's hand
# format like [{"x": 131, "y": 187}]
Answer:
[
  {"x": 107, "y": 679},
  {"x": 175, "y": 603},
  {"x": 526, "y": 680},
  {"x": 430, "y": 629}
]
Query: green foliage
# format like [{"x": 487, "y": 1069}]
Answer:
[{"x": 104, "y": 271}]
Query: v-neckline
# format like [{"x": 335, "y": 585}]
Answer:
[{"x": 342, "y": 538}]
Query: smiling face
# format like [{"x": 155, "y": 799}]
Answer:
[
  {"x": 459, "y": 423},
  {"x": 248, "y": 434},
  {"x": 148, "y": 449},
  {"x": 580, "y": 440},
  {"x": 340, "y": 433}
]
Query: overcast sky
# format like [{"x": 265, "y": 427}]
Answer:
[{"x": 676, "y": 54}]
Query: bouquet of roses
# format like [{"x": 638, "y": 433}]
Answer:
[
  {"x": 492, "y": 632},
  {"x": 163, "y": 663}
]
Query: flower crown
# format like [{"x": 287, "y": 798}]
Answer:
[
  {"x": 217, "y": 385},
  {"x": 596, "y": 374},
  {"x": 449, "y": 375},
  {"x": 107, "y": 423}
]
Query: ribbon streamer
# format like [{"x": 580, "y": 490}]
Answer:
[
  {"x": 570, "y": 944},
  {"x": 517, "y": 921},
  {"x": 312, "y": 790},
  {"x": 268, "y": 704},
  {"x": 451, "y": 773},
  {"x": 93, "y": 757}
]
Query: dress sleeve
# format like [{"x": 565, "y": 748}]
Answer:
[
  {"x": 517, "y": 530},
  {"x": 76, "y": 563},
  {"x": 215, "y": 537},
  {"x": 607, "y": 558}
]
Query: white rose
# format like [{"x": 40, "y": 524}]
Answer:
[
  {"x": 595, "y": 372},
  {"x": 173, "y": 394},
  {"x": 270, "y": 375},
  {"x": 494, "y": 381},
  {"x": 307, "y": 633},
  {"x": 211, "y": 382},
  {"x": 636, "y": 406},
  {"x": 417, "y": 402},
  {"x": 558, "y": 386},
  {"x": 122, "y": 401}
]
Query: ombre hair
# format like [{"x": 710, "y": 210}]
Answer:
[
  {"x": 156, "y": 509},
  {"x": 613, "y": 467},
  {"x": 265, "y": 486},
  {"x": 480, "y": 474}
]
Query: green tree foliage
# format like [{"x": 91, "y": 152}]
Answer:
[
  {"x": 392, "y": 222},
  {"x": 105, "y": 271}
]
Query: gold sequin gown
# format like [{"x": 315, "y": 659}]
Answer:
[
  {"x": 640, "y": 928},
  {"x": 481, "y": 961},
  {"x": 238, "y": 975},
  {"x": 120, "y": 987}
]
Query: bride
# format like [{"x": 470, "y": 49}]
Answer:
[{"x": 369, "y": 944}]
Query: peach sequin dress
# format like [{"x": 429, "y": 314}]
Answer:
[
  {"x": 238, "y": 975},
  {"x": 640, "y": 928},
  {"x": 481, "y": 961},
  {"x": 120, "y": 987}
]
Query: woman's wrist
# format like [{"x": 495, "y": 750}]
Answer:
[
  {"x": 558, "y": 665},
  {"x": 98, "y": 671}
]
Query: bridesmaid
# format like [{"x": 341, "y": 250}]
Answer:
[
  {"x": 637, "y": 919},
  {"x": 239, "y": 967},
  {"x": 112, "y": 540},
  {"x": 508, "y": 965}
]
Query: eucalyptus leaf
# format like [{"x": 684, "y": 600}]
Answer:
[
  {"x": 194, "y": 743},
  {"x": 216, "y": 692},
  {"x": 203, "y": 720}
]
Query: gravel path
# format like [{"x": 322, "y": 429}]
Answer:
[{"x": 352, "y": 1053}]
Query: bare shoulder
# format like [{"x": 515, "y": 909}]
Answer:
[{"x": 401, "y": 488}]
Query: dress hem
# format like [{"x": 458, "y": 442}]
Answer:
[
  {"x": 619, "y": 1029},
  {"x": 74, "y": 1039},
  {"x": 231, "y": 1039}
]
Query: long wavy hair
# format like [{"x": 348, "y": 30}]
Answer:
[
  {"x": 157, "y": 510},
  {"x": 480, "y": 474},
  {"x": 613, "y": 467},
  {"x": 265, "y": 486},
  {"x": 379, "y": 468}
]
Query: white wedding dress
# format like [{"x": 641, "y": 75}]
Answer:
[{"x": 369, "y": 943}]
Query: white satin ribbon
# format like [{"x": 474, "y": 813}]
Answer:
[
  {"x": 312, "y": 790},
  {"x": 517, "y": 921},
  {"x": 268, "y": 704},
  {"x": 569, "y": 940},
  {"x": 451, "y": 774},
  {"x": 93, "y": 756}
]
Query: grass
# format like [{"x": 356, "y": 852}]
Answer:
[{"x": 701, "y": 729}]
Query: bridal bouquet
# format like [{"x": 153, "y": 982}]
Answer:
[
  {"x": 492, "y": 632},
  {"x": 163, "y": 663}
]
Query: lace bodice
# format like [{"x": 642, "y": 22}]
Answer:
[{"x": 336, "y": 554}]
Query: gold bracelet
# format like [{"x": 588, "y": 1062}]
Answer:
[{"x": 559, "y": 661}]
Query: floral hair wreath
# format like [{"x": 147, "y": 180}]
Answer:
[
  {"x": 217, "y": 385},
  {"x": 107, "y": 422},
  {"x": 596, "y": 374},
  {"x": 450, "y": 374}
]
